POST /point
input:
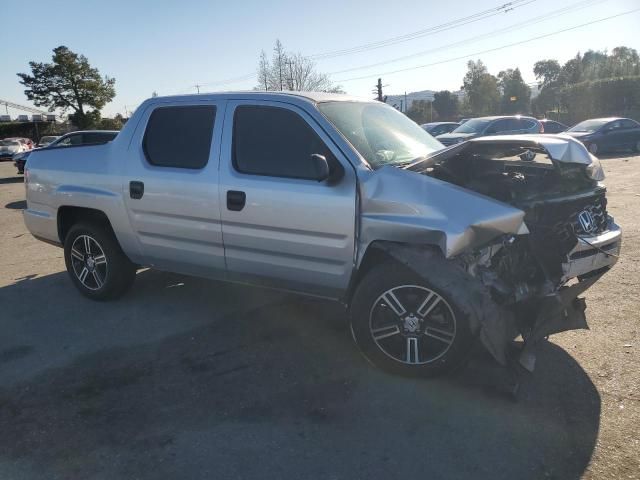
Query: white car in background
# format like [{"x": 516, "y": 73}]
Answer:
[{"x": 8, "y": 148}]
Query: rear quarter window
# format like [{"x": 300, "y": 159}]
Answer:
[
  {"x": 629, "y": 124},
  {"x": 179, "y": 136}
]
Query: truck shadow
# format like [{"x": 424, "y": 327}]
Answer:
[
  {"x": 7, "y": 180},
  {"x": 184, "y": 377},
  {"x": 19, "y": 205}
]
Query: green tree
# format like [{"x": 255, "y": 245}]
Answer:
[
  {"x": 547, "y": 72},
  {"x": 624, "y": 61},
  {"x": 481, "y": 89},
  {"x": 572, "y": 71},
  {"x": 69, "y": 83},
  {"x": 516, "y": 95},
  {"x": 446, "y": 104},
  {"x": 593, "y": 84},
  {"x": 114, "y": 123},
  {"x": 421, "y": 111}
]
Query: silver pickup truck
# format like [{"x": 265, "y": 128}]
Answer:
[{"x": 430, "y": 248}]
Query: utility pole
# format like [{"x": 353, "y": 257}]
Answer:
[
  {"x": 406, "y": 105},
  {"x": 379, "y": 89},
  {"x": 197, "y": 88}
]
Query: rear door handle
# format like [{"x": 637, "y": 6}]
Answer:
[
  {"x": 136, "y": 190},
  {"x": 236, "y": 200}
]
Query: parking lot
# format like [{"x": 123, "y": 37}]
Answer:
[{"x": 188, "y": 378}]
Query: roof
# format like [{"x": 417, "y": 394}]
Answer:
[
  {"x": 496, "y": 117},
  {"x": 315, "y": 97},
  {"x": 87, "y": 131},
  {"x": 605, "y": 119}
]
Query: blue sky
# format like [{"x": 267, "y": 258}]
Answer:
[{"x": 169, "y": 46}]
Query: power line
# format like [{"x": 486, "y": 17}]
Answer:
[
  {"x": 17, "y": 106},
  {"x": 533, "y": 21},
  {"x": 489, "y": 50},
  {"x": 503, "y": 8}
]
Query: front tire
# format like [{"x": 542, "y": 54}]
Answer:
[
  {"x": 593, "y": 148},
  {"x": 95, "y": 262},
  {"x": 407, "y": 325}
]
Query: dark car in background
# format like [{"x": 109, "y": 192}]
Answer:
[
  {"x": 84, "y": 137},
  {"x": 551, "y": 126},
  {"x": 607, "y": 134},
  {"x": 438, "y": 128},
  {"x": 484, "y": 126}
]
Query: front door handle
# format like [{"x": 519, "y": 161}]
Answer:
[
  {"x": 236, "y": 200},
  {"x": 136, "y": 190}
]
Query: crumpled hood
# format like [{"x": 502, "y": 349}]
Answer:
[
  {"x": 561, "y": 147},
  {"x": 400, "y": 206}
]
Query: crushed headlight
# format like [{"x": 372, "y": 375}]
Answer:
[{"x": 594, "y": 169}]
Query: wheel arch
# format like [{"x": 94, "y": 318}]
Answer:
[
  {"x": 68, "y": 216},
  {"x": 377, "y": 253}
]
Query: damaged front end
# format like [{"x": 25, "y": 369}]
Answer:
[{"x": 528, "y": 277}]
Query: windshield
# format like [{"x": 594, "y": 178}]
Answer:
[
  {"x": 475, "y": 125},
  {"x": 588, "y": 126},
  {"x": 381, "y": 134},
  {"x": 47, "y": 139}
]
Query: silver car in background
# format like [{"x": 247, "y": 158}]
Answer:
[{"x": 485, "y": 126}]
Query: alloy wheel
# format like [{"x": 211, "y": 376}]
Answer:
[
  {"x": 412, "y": 324},
  {"x": 89, "y": 262}
]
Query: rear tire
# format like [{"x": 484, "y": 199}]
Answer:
[
  {"x": 637, "y": 147},
  {"x": 95, "y": 262},
  {"x": 408, "y": 325}
]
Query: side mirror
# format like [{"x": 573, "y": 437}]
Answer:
[{"x": 320, "y": 167}]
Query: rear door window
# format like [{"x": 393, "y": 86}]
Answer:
[
  {"x": 71, "y": 140},
  {"x": 179, "y": 136},
  {"x": 500, "y": 126},
  {"x": 613, "y": 126},
  {"x": 275, "y": 142},
  {"x": 553, "y": 127},
  {"x": 524, "y": 124}
]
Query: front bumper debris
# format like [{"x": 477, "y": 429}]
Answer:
[
  {"x": 535, "y": 318},
  {"x": 593, "y": 253}
]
